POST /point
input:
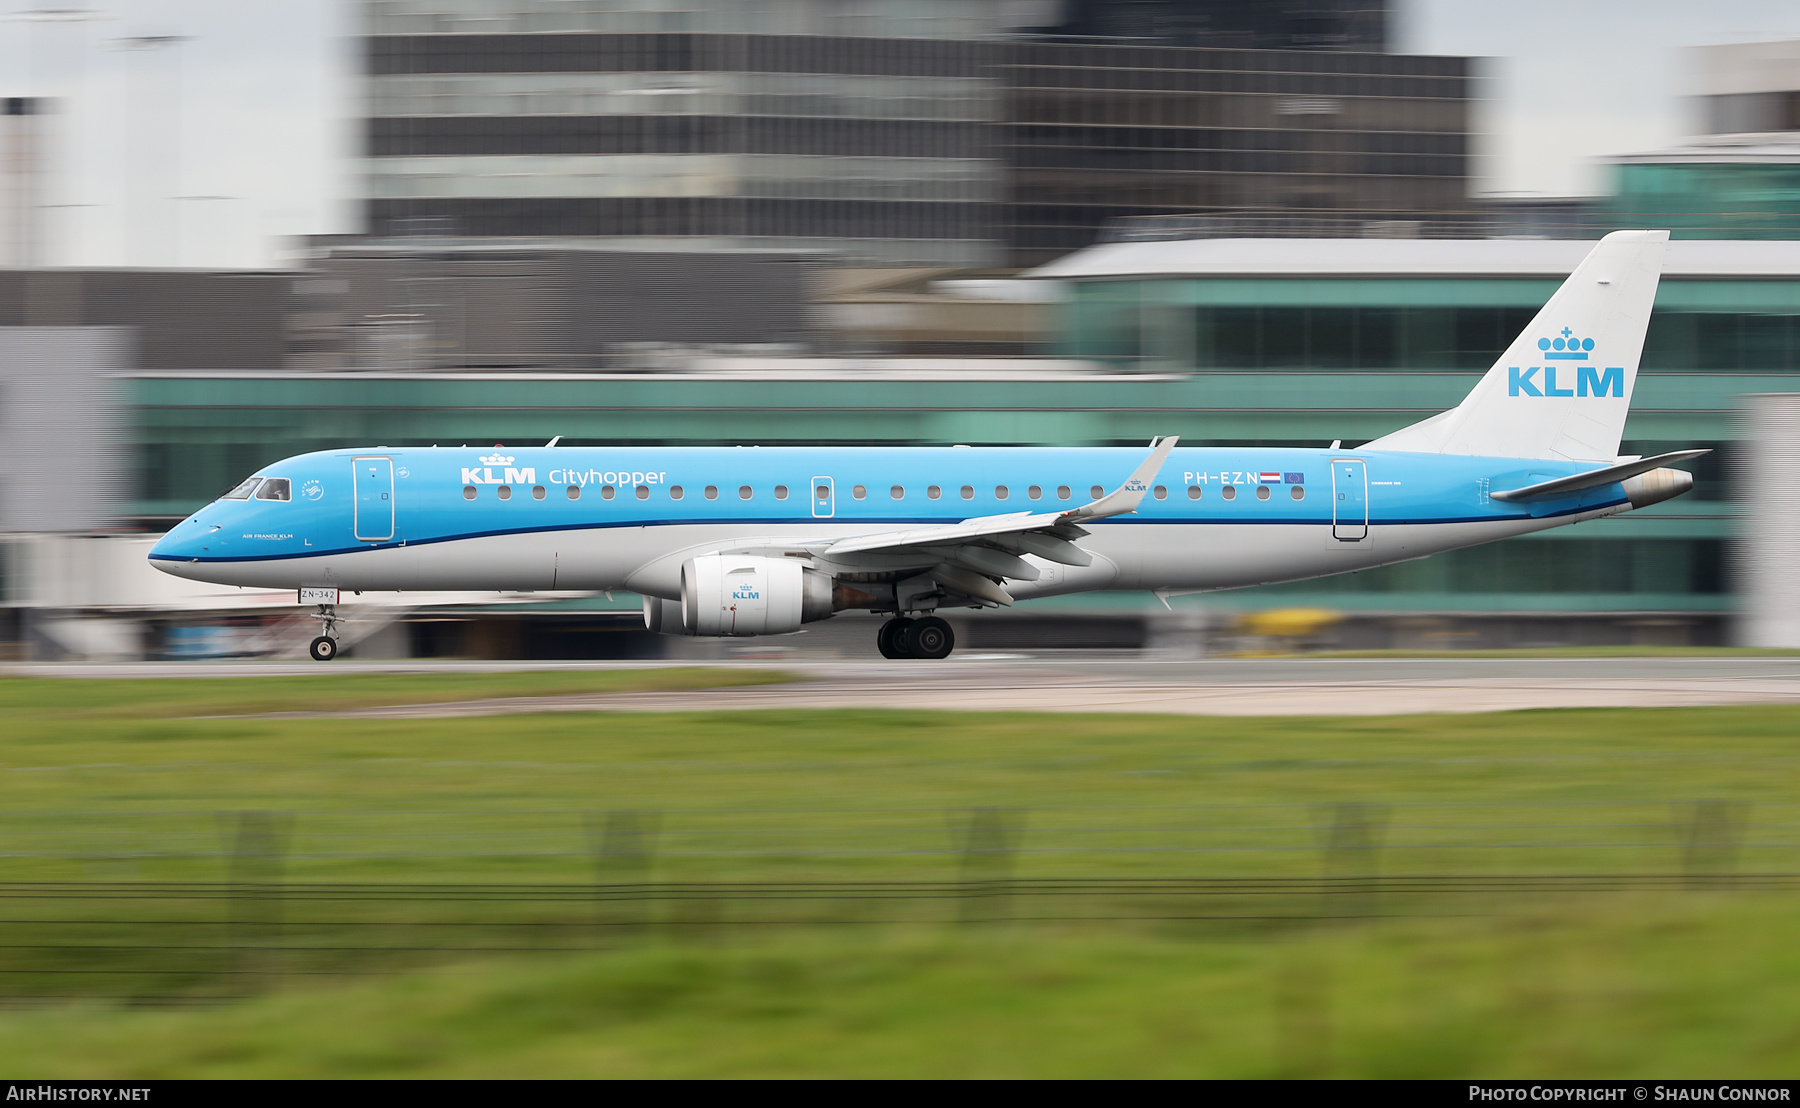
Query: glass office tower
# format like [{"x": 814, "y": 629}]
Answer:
[{"x": 939, "y": 132}]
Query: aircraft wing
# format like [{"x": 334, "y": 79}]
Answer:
[
  {"x": 973, "y": 557},
  {"x": 1565, "y": 486}
]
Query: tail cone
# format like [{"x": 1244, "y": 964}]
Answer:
[{"x": 1657, "y": 486}]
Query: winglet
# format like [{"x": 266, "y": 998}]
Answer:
[{"x": 1126, "y": 497}]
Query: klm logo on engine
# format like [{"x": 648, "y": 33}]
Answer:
[
  {"x": 1589, "y": 380},
  {"x": 745, "y": 592}
]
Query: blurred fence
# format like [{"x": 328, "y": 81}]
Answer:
[{"x": 193, "y": 907}]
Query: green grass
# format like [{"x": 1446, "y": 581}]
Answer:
[
  {"x": 163, "y": 698},
  {"x": 1618, "y": 989},
  {"x": 116, "y": 786},
  {"x": 1561, "y": 652}
]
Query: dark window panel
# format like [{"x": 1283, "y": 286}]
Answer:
[
  {"x": 675, "y": 134},
  {"x": 686, "y": 216}
]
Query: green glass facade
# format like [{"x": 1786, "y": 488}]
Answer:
[{"x": 1710, "y": 200}]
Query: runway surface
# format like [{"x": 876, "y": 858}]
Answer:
[{"x": 1107, "y": 684}]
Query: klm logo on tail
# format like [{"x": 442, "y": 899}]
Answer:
[{"x": 1589, "y": 380}]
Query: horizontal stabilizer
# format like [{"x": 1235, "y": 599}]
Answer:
[{"x": 1568, "y": 486}]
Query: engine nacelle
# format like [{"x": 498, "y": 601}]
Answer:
[
  {"x": 663, "y": 616},
  {"x": 745, "y": 594}
]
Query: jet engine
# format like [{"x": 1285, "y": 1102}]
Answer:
[{"x": 743, "y": 594}]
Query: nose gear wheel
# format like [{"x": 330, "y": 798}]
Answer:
[{"x": 325, "y": 647}]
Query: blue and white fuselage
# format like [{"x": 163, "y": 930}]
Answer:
[
  {"x": 758, "y": 540},
  {"x": 623, "y": 518}
]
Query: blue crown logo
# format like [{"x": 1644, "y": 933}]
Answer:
[{"x": 1566, "y": 347}]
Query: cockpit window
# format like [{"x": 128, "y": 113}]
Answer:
[
  {"x": 275, "y": 488},
  {"x": 243, "y": 491}
]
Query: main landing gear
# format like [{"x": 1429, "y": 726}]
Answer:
[
  {"x": 901, "y": 637},
  {"x": 325, "y": 647}
]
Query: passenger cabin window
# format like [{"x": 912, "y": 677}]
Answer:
[
  {"x": 858, "y": 491},
  {"x": 743, "y": 492},
  {"x": 898, "y": 492},
  {"x": 606, "y": 492},
  {"x": 1062, "y": 492},
  {"x": 275, "y": 488},
  {"x": 676, "y": 492},
  {"x": 1162, "y": 492},
  {"x": 781, "y": 492},
  {"x": 1000, "y": 492},
  {"x": 934, "y": 492},
  {"x": 968, "y": 492},
  {"x": 712, "y": 492},
  {"x": 537, "y": 492},
  {"x": 1096, "y": 493},
  {"x": 1035, "y": 492},
  {"x": 574, "y": 492},
  {"x": 1229, "y": 492},
  {"x": 469, "y": 491},
  {"x": 643, "y": 492},
  {"x": 1262, "y": 492},
  {"x": 1297, "y": 492},
  {"x": 243, "y": 491},
  {"x": 1193, "y": 492},
  {"x": 504, "y": 492}
]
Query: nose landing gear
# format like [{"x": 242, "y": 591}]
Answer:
[
  {"x": 901, "y": 637},
  {"x": 325, "y": 647}
]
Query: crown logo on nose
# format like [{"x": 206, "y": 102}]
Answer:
[
  {"x": 497, "y": 460},
  {"x": 1566, "y": 347}
]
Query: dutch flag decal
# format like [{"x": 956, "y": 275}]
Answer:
[{"x": 1271, "y": 479}]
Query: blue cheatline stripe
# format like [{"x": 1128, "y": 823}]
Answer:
[{"x": 1311, "y": 522}]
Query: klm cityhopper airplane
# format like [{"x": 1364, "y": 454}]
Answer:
[{"x": 759, "y": 541}]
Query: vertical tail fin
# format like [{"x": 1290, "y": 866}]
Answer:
[{"x": 1563, "y": 388}]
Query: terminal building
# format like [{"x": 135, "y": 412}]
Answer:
[{"x": 1739, "y": 177}]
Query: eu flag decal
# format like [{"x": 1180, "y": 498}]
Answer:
[{"x": 1294, "y": 478}]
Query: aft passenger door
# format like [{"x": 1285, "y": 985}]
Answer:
[
  {"x": 374, "y": 481},
  {"x": 824, "y": 498},
  {"x": 1349, "y": 500}
]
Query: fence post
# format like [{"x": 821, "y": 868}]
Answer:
[
  {"x": 623, "y": 843},
  {"x": 258, "y": 846},
  {"x": 989, "y": 842},
  {"x": 1352, "y": 856},
  {"x": 1709, "y": 850}
]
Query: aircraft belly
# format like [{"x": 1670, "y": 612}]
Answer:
[{"x": 1211, "y": 556}]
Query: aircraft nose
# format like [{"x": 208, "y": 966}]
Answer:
[{"x": 185, "y": 542}]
